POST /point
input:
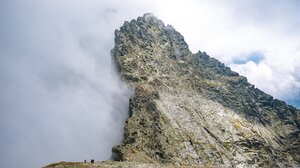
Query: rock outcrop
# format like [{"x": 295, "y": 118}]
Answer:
[{"x": 191, "y": 110}]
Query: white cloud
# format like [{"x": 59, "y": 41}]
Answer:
[
  {"x": 57, "y": 87},
  {"x": 279, "y": 83}
]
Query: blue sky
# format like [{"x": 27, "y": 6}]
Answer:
[
  {"x": 60, "y": 98},
  {"x": 295, "y": 102},
  {"x": 255, "y": 57}
]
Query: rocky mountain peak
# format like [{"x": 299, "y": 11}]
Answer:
[
  {"x": 147, "y": 32},
  {"x": 190, "y": 109}
]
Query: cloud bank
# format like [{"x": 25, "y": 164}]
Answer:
[{"x": 60, "y": 98}]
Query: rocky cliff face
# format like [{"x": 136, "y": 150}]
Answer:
[{"x": 190, "y": 109}]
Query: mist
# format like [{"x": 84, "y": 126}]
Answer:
[{"x": 60, "y": 96}]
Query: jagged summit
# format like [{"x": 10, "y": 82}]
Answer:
[
  {"x": 191, "y": 110},
  {"x": 147, "y": 31},
  {"x": 150, "y": 17}
]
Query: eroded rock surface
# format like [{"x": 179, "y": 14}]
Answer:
[{"x": 190, "y": 109}]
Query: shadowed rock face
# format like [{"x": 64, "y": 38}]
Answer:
[{"x": 189, "y": 109}]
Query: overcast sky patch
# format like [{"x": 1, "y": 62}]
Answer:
[{"x": 60, "y": 98}]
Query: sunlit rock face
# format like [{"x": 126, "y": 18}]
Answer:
[{"x": 189, "y": 109}]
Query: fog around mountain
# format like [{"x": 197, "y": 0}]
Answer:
[{"x": 60, "y": 97}]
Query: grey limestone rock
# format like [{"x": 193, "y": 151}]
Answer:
[{"x": 191, "y": 110}]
